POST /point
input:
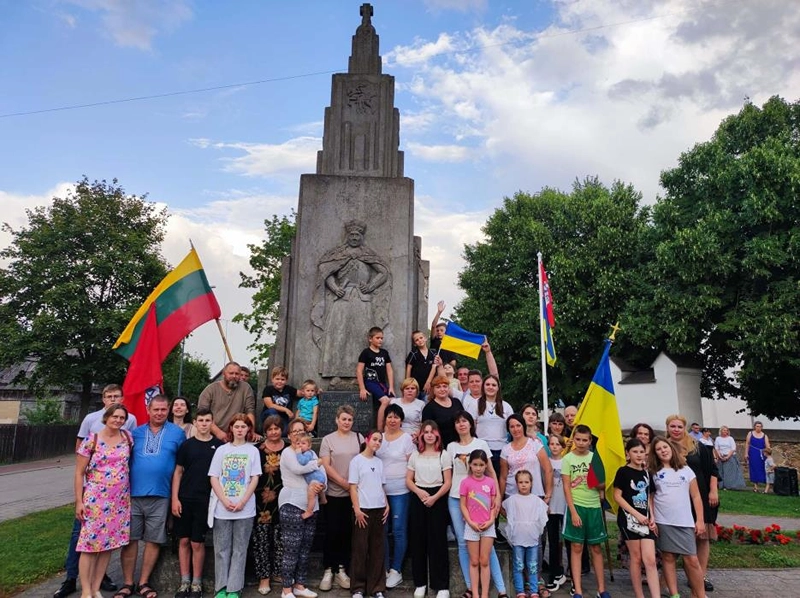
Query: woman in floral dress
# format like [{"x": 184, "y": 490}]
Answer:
[
  {"x": 267, "y": 549},
  {"x": 102, "y": 497}
]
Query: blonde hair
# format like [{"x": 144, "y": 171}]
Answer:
[
  {"x": 688, "y": 444},
  {"x": 409, "y": 382}
]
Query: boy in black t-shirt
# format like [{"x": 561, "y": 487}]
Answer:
[
  {"x": 279, "y": 397},
  {"x": 191, "y": 487},
  {"x": 374, "y": 372}
]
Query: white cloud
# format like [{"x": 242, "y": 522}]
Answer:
[
  {"x": 264, "y": 159},
  {"x": 419, "y": 52},
  {"x": 135, "y": 23},
  {"x": 416, "y": 122},
  {"x": 439, "y": 153}
]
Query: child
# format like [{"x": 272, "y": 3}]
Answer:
[
  {"x": 305, "y": 456},
  {"x": 527, "y": 518},
  {"x": 419, "y": 363},
  {"x": 631, "y": 492},
  {"x": 234, "y": 475},
  {"x": 585, "y": 521},
  {"x": 477, "y": 493},
  {"x": 278, "y": 397},
  {"x": 308, "y": 405},
  {"x": 455, "y": 385},
  {"x": 371, "y": 509},
  {"x": 673, "y": 492},
  {"x": 555, "y": 519},
  {"x": 769, "y": 466},
  {"x": 190, "y": 489},
  {"x": 374, "y": 373}
]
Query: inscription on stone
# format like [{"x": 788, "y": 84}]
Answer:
[{"x": 330, "y": 402}]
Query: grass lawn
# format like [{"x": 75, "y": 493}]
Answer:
[
  {"x": 33, "y": 547},
  {"x": 748, "y": 502}
]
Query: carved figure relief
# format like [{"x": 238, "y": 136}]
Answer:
[
  {"x": 352, "y": 293},
  {"x": 361, "y": 98}
]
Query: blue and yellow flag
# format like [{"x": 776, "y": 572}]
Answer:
[
  {"x": 599, "y": 412},
  {"x": 461, "y": 341},
  {"x": 548, "y": 318}
]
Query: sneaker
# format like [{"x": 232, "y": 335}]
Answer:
[
  {"x": 69, "y": 586},
  {"x": 183, "y": 590},
  {"x": 378, "y": 595},
  {"x": 326, "y": 582},
  {"x": 223, "y": 593},
  {"x": 572, "y": 591},
  {"x": 342, "y": 580},
  {"x": 603, "y": 594},
  {"x": 443, "y": 594},
  {"x": 556, "y": 583},
  {"x": 708, "y": 584},
  {"x": 393, "y": 578},
  {"x": 107, "y": 585},
  {"x": 196, "y": 591},
  {"x": 234, "y": 594},
  {"x": 304, "y": 593},
  {"x": 420, "y": 591},
  {"x": 358, "y": 595}
]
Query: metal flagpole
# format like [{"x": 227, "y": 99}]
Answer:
[{"x": 545, "y": 410}]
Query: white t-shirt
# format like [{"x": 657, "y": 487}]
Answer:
[
  {"x": 394, "y": 454},
  {"x": 234, "y": 466},
  {"x": 558, "y": 503},
  {"x": 725, "y": 445},
  {"x": 527, "y": 518},
  {"x": 367, "y": 475},
  {"x": 490, "y": 426},
  {"x": 525, "y": 458},
  {"x": 469, "y": 402},
  {"x": 413, "y": 414},
  {"x": 460, "y": 466},
  {"x": 672, "y": 503},
  {"x": 428, "y": 469}
]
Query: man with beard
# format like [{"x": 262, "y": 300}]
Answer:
[{"x": 226, "y": 398}]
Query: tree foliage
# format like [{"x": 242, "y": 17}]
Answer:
[
  {"x": 75, "y": 275},
  {"x": 266, "y": 260},
  {"x": 45, "y": 411},
  {"x": 590, "y": 239},
  {"x": 195, "y": 378},
  {"x": 721, "y": 278}
]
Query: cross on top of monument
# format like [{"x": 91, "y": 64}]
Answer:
[
  {"x": 365, "y": 58},
  {"x": 366, "y": 13}
]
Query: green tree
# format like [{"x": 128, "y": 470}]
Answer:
[
  {"x": 75, "y": 275},
  {"x": 45, "y": 411},
  {"x": 590, "y": 239},
  {"x": 721, "y": 281},
  {"x": 195, "y": 378},
  {"x": 266, "y": 260}
]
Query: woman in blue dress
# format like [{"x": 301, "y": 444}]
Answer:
[{"x": 755, "y": 443}]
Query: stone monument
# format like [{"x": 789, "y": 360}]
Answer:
[{"x": 355, "y": 262}]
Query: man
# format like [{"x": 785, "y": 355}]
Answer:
[
  {"x": 226, "y": 398},
  {"x": 463, "y": 378},
  {"x": 569, "y": 416},
  {"x": 437, "y": 332},
  {"x": 695, "y": 431},
  {"x": 155, "y": 449},
  {"x": 91, "y": 424}
]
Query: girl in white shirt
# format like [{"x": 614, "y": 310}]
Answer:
[
  {"x": 371, "y": 510},
  {"x": 674, "y": 491},
  {"x": 429, "y": 478},
  {"x": 490, "y": 412}
]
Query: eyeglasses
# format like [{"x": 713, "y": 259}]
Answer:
[{"x": 113, "y": 396}]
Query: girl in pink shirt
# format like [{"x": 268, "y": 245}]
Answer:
[{"x": 477, "y": 492}]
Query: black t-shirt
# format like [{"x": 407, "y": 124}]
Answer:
[
  {"x": 284, "y": 397},
  {"x": 375, "y": 363},
  {"x": 195, "y": 457},
  {"x": 444, "y": 418},
  {"x": 447, "y": 356},
  {"x": 635, "y": 485},
  {"x": 421, "y": 366}
]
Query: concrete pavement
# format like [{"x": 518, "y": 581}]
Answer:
[{"x": 36, "y": 486}]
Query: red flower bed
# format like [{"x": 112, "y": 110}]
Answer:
[{"x": 745, "y": 535}]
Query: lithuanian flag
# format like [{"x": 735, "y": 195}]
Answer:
[{"x": 183, "y": 301}]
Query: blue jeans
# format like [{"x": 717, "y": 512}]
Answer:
[
  {"x": 457, "y": 519},
  {"x": 73, "y": 556},
  {"x": 398, "y": 522},
  {"x": 525, "y": 558}
]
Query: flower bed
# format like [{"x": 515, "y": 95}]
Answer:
[{"x": 740, "y": 534}]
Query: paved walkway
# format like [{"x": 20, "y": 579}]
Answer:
[{"x": 36, "y": 486}]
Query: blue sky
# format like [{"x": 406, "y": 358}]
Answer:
[{"x": 495, "y": 96}]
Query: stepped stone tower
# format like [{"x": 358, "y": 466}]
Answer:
[{"x": 355, "y": 261}]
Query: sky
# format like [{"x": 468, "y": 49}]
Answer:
[{"x": 495, "y": 96}]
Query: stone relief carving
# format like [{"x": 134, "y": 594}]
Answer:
[
  {"x": 361, "y": 98},
  {"x": 351, "y": 293}
]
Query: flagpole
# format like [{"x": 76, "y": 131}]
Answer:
[
  {"x": 542, "y": 341},
  {"x": 224, "y": 340}
]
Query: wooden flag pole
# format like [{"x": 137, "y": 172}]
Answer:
[{"x": 224, "y": 340}]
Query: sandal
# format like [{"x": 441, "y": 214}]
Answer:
[
  {"x": 146, "y": 591},
  {"x": 543, "y": 593},
  {"x": 126, "y": 590}
]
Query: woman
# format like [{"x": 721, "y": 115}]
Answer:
[
  {"x": 524, "y": 453},
  {"x": 459, "y": 452},
  {"x": 297, "y": 534},
  {"x": 645, "y": 433},
  {"x": 411, "y": 405},
  {"x": 556, "y": 424},
  {"x": 267, "y": 549},
  {"x": 180, "y": 414},
  {"x": 102, "y": 497},
  {"x": 428, "y": 478},
  {"x": 700, "y": 459},
  {"x": 337, "y": 450},
  {"x": 705, "y": 437},
  {"x": 394, "y": 452},
  {"x": 443, "y": 409},
  {"x": 756, "y": 442},
  {"x": 419, "y": 363},
  {"x": 730, "y": 471},
  {"x": 531, "y": 416},
  {"x": 490, "y": 414}
]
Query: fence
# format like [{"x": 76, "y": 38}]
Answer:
[{"x": 28, "y": 443}]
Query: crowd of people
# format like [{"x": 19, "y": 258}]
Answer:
[{"x": 447, "y": 456}]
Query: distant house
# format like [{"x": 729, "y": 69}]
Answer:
[{"x": 15, "y": 397}]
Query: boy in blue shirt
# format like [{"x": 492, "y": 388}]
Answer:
[{"x": 308, "y": 405}]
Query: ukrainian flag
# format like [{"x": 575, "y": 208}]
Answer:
[
  {"x": 461, "y": 341},
  {"x": 599, "y": 412}
]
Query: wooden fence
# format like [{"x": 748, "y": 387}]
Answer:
[{"x": 28, "y": 443}]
